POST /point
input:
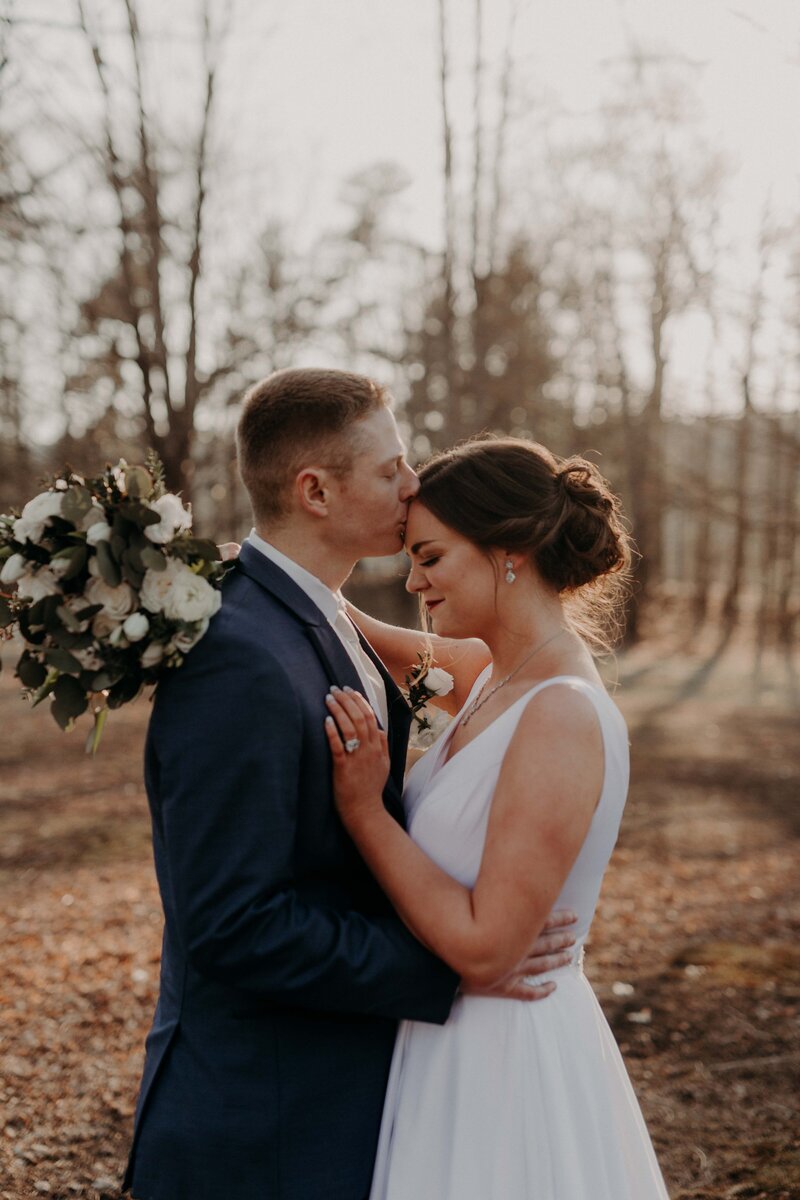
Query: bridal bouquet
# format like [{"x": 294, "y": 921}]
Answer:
[{"x": 110, "y": 589}]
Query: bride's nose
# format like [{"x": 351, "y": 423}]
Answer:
[{"x": 416, "y": 581}]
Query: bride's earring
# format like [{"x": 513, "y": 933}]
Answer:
[{"x": 510, "y": 576}]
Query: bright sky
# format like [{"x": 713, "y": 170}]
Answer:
[
  {"x": 313, "y": 91},
  {"x": 337, "y": 86}
]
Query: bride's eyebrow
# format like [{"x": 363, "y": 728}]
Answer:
[{"x": 415, "y": 549}]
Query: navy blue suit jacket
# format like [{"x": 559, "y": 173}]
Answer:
[{"x": 284, "y": 969}]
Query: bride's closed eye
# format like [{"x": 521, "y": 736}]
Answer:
[{"x": 429, "y": 562}]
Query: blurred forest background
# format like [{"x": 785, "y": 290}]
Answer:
[
  {"x": 574, "y": 267},
  {"x": 579, "y": 282}
]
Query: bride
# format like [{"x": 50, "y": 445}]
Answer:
[{"x": 514, "y": 811}]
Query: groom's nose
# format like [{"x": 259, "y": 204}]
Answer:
[{"x": 410, "y": 483}]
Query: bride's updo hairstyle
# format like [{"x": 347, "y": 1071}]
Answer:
[{"x": 514, "y": 495}]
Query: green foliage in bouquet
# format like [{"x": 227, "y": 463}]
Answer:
[{"x": 107, "y": 587}]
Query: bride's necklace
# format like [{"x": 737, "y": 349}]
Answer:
[{"x": 480, "y": 699}]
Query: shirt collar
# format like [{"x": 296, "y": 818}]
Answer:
[{"x": 327, "y": 601}]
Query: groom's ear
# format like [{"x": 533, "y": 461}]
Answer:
[{"x": 312, "y": 488}]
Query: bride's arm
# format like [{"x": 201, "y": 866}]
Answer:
[
  {"x": 400, "y": 648},
  {"x": 538, "y": 822}
]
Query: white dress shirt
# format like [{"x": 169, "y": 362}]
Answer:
[{"x": 332, "y": 605}]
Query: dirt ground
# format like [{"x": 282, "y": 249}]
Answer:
[{"x": 695, "y": 953}]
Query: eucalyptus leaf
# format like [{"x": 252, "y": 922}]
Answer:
[
  {"x": 154, "y": 559},
  {"x": 131, "y": 575},
  {"x": 105, "y": 679},
  {"x": 30, "y": 672},
  {"x": 68, "y": 619},
  {"x": 138, "y": 482},
  {"x": 63, "y": 661},
  {"x": 139, "y": 514},
  {"x": 6, "y": 615},
  {"x": 69, "y": 700},
  {"x": 76, "y": 557},
  {"x": 133, "y": 558},
  {"x": 124, "y": 690},
  {"x": 91, "y": 610},
  {"x": 204, "y": 548},
  {"x": 76, "y": 504},
  {"x": 34, "y": 636},
  {"x": 109, "y": 570}
]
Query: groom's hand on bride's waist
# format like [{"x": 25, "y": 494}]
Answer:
[{"x": 552, "y": 949}]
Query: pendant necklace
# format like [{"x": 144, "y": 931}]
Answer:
[{"x": 480, "y": 699}]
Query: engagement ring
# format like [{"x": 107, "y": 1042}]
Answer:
[{"x": 352, "y": 744}]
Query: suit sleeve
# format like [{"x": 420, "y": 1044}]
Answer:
[{"x": 225, "y": 747}]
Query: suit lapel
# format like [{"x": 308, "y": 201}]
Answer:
[
  {"x": 399, "y": 716},
  {"x": 338, "y": 665}
]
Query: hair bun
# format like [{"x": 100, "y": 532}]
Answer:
[{"x": 590, "y": 542}]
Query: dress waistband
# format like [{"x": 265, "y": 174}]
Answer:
[{"x": 571, "y": 968}]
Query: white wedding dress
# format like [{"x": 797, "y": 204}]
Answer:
[{"x": 514, "y": 1100}]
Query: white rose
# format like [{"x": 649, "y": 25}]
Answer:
[
  {"x": 117, "y": 601},
  {"x": 36, "y": 585},
  {"x": 152, "y": 655},
  {"x": 13, "y": 569},
  {"x": 136, "y": 627},
  {"x": 174, "y": 519},
  {"x": 35, "y": 515},
  {"x": 154, "y": 589},
  {"x": 192, "y": 598},
  {"x": 179, "y": 593},
  {"x": 100, "y": 531},
  {"x": 439, "y": 682}
]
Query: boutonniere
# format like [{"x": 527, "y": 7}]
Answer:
[{"x": 425, "y": 682}]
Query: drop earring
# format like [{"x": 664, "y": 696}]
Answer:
[{"x": 510, "y": 576}]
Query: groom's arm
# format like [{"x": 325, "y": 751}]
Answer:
[{"x": 226, "y": 744}]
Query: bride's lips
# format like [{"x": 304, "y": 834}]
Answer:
[{"x": 432, "y": 604}]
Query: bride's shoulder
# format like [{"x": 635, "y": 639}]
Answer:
[{"x": 564, "y": 708}]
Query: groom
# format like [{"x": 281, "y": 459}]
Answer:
[{"x": 284, "y": 970}]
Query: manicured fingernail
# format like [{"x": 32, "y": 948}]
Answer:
[
  {"x": 348, "y": 689},
  {"x": 329, "y": 721},
  {"x": 329, "y": 699},
  {"x": 334, "y": 688}
]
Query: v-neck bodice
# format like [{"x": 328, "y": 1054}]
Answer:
[{"x": 448, "y": 801}]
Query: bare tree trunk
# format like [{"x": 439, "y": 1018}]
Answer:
[
  {"x": 786, "y": 616},
  {"x": 477, "y": 159},
  {"x": 703, "y": 473},
  {"x": 498, "y": 191},
  {"x": 742, "y": 463},
  {"x": 149, "y": 191},
  {"x": 116, "y": 178},
  {"x": 744, "y": 446},
  {"x": 448, "y": 266}
]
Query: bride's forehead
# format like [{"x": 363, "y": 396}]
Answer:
[{"x": 422, "y": 525}]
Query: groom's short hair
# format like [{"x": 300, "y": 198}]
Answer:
[{"x": 297, "y": 418}]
